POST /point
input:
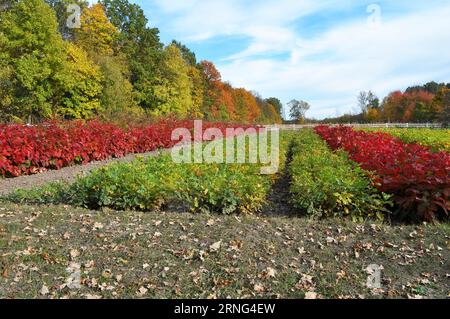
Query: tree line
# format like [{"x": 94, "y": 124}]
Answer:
[
  {"x": 110, "y": 66},
  {"x": 417, "y": 104}
]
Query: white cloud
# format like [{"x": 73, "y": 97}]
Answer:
[
  {"x": 409, "y": 47},
  {"x": 404, "y": 51},
  {"x": 203, "y": 19}
]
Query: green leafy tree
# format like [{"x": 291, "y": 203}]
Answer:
[
  {"x": 141, "y": 45},
  {"x": 32, "y": 59},
  {"x": 65, "y": 13},
  {"x": 187, "y": 54},
  {"x": 117, "y": 98},
  {"x": 173, "y": 89},
  {"x": 277, "y": 104},
  {"x": 42, "y": 76},
  {"x": 197, "y": 91},
  {"x": 441, "y": 103},
  {"x": 269, "y": 114}
]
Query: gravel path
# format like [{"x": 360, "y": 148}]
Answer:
[{"x": 8, "y": 185}]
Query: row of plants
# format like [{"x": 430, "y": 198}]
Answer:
[
  {"x": 417, "y": 178},
  {"x": 26, "y": 150},
  {"x": 363, "y": 178},
  {"x": 436, "y": 140},
  {"x": 325, "y": 184},
  {"x": 158, "y": 182}
]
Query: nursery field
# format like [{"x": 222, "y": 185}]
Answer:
[{"x": 342, "y": 200}]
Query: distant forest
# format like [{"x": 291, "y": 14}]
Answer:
[
  {"x": 110, "y": 66},
  {"x": 417, "y": 104}
]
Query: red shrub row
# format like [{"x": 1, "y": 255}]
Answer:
[
  {"x": 418, "y": 178},
  {"x": 28, "y": 150}
]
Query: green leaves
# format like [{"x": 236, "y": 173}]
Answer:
[
  {"x": 328, "y": 184},
  {"x": 158, "y": 182},
  {"x": 47, "y": 75}
]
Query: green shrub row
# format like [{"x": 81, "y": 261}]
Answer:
[
  {"x": 326, "y": 184},
  {"x": 156, "y": 182}
]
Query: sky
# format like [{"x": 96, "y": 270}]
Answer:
[{"x": 324, "y": 52}]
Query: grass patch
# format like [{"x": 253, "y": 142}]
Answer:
[{"x": 175, "y": 255}]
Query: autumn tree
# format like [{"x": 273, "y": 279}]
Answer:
[
  {"x": 37, "y": 66},
  {"x": 211, "y": 81},
  {"x": 268, "y": 112},
  {"x": 248, "y": 111},
  {"x": 224, "y": 107},
  {"x": 82, "y": 86},
  {"x": 416, "y": 106},
  {"x": 212, "y": 75},
  {"x": 112, "y": 66},
  {"x": 98, "y": 36}
]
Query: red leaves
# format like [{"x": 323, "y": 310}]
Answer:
[
  {"x": 28, "y": 150},
  {"x": 418, "y": 179}
]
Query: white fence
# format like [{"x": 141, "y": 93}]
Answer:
[{"x": 294, "y": 127}]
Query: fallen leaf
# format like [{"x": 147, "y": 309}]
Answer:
[
  {"x": 157, "y": 234},
  {"x": 98, "y": 226},
  {"x": 44, "y": 290},
  {"x": 271, "y": 273},
  {"x": 142, "y": 291},
  {"x": 258, "y": 288},
  {"x": 310, "y": 295},
  {"x": 216, "y": 246},
  {"x": 74, "y": 253}
]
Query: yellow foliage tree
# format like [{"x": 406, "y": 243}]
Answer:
[
  {"x": 97, "y": 35},
  {"x": 82, "y": 86},
  {"x": 197, "y": 92},
  {"x": 173, "y": 88},
  {"x": 372, "y": 115}
]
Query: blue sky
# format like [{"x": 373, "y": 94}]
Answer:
[{"x": 323, "y": 52}]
